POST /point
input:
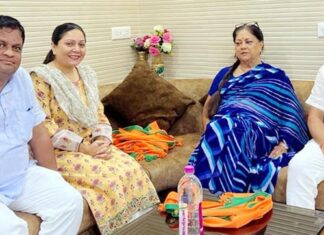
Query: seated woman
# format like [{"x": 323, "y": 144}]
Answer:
[
  {"x": 253, "y": 122},
  {"x": 113, "y": 183}
]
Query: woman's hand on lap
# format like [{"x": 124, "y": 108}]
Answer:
[
  {"x": 278, "y": 150},
  {"x": 98, "y": 148}
]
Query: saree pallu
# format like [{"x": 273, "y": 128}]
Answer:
[{"x": 258, "y": 110}]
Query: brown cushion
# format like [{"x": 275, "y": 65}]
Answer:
[
  {"x": 144, "y": 97},
  {"x": 189, "y": 122},
  {"x": 203, "y": 99}
]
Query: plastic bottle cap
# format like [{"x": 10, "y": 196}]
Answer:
[{"x": 189, "y": 169}]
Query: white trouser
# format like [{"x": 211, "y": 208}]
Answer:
[
  {"x": 46, "y": 194},
  {"x": 305, "y": 172}
]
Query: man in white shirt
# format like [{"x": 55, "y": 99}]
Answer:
[
  {"x": 306, "y": 169},
  {"x": 32, "y": 186}
]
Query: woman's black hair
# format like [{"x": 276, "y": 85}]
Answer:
[
  {"x": 216, "y": 98},
  {"x": 214, "y": 102},
  {"x": 58, "y": 34},
  {"x": 12, "y": 23},
  {"x": 252, "y": 27}
]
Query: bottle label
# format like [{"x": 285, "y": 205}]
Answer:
[
  {"x": 183, "y": 219},
  {"x": 201, "y": 226}
]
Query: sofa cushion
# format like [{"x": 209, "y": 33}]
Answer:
[
  {"x": 32, "y": 220},
  {"x": 144, "y": 97},
  {"x": 165, "y": 173},
  {"x": 189, "y": 122}
]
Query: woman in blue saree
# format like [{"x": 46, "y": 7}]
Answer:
[{"x": 253, "y": 122}]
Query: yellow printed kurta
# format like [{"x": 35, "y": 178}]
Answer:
[{"x": 116, "y": 188}]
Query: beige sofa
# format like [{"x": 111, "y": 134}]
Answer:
[{"x": 165, "y": 173}]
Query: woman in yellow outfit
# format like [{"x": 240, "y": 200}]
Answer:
[{"x": 113, "y": 183}]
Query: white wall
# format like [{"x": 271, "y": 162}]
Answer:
[
  {"x": 203, "y": 33},
  {"x": 201, "y": 29},
  {"x": 111, "y": 59}
]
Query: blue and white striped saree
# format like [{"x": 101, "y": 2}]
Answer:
[{"x": 258, "y": 110}]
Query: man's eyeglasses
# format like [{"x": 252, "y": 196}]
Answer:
[{"x": 252, "y": 23}]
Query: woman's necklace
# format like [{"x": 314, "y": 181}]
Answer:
[
  {"x": 73, "y": 75},
  {"x": 239, "y": 71},
  {"x": 77, "y": 82},
  {"x": 245, "y": 69}
]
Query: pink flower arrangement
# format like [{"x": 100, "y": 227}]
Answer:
[
  {"x": 138, "y": 43},
  {"x": 160, "y": 42}
]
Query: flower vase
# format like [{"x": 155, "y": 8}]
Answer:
[
  {"x": 142, "y": 56},
  {"x": 158, "y": 65}
]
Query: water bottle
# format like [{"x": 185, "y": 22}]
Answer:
[{"x": 190, "y": 198}]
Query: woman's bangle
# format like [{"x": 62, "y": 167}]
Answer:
[{"x": 79, "y": 145}]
